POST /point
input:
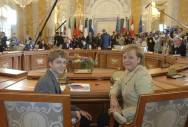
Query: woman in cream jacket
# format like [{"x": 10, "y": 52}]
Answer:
[{"x": 134, "y": 81}]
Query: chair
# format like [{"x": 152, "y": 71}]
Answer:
[
  {"x": 162, "y": 110},
  {"x": 34, "y": 110}
]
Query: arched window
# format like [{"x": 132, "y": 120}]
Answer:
[{"x": 8, "y": 20}]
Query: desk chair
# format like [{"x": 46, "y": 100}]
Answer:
[
  {"x": 34, "y": 110},
  {"x": 161, "y": 110}
]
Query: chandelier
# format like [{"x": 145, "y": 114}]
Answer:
[{"x": 23, "y": 3}]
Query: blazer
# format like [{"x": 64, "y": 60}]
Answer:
[
  {"x": 49, "y": 84},
  {"x": 130, "y": 86}
]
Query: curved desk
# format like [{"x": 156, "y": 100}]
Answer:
[{"x": 100, "y": 83}]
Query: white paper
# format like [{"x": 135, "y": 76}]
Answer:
[
  {"x": 79, "y": 87},
  {"x": 62, "y": 87}
]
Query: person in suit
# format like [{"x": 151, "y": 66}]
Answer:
[
  {"x": 29, "y": 44},
  {"x": 150, "y": 43},
  {"x": 114, "y": 38},
  {"x": 56, "y": 38},
  {"x": 105, "y": 38},
  {"x": 3, "y": 42},
  {"x": 97, "y": 41},
  {"x": 134, "y": 81},
  {"x": 42, "y": 45},
  {"x": 49, "y": 84},
  {"x": 90, "y": 40}
]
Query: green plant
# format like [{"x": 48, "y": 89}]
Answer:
[{"x": 86, "y": 63}]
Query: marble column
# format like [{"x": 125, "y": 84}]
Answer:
[
  {"x": 42, "y": 13},
  {"x": 29, "y": 20},
  {"x": 35, "y": 17},
  {"x": 136, "y": 11},
  {"x": 183, "y": 13}
]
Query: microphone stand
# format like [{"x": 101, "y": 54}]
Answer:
[
  {"x": 177, "y": 21},
  {"x": 61, "y": 25},
  {"x": 169, "y": 16},
  {"x": 40, "y": 33}
]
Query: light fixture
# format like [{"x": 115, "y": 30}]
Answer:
[{"x": 23, "y": 3}]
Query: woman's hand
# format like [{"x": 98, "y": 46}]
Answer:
[
  {"x": 86, "y": 114},
  {"x": 114, "y": 104},
  {"x": 115, "y": 110},
  {"x": 78, "y": 115}
]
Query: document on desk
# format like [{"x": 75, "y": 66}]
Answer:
[
  {"x": 62, "y": 88},
  {"x": 79, "y": 87}
]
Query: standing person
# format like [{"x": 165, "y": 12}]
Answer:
[
  {"x": 90, "y": 40},
  {"x": 60, "y": 40},
  {"x": 3, "y": 42},
  {"x": 158, "y": 45},
  {"x": 150, "y": 43},
  {"x": 56, "y": 38},
  {"x": 1, "y": 47},
  {"x": 105, "y": 38},
  {"x": 135, "y": 81},
  {"x": 82, "y": 41},
  {"x": 49, "y": 84},
  {"x": 29, "y": 44},
  {"x": 113, "y": 39},
  {"x": 42, "y": 45},
  {"x": 97, "y": 41}
]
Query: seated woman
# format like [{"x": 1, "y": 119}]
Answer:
[
  {"x": 135, "y": 81},
  {"x": 49, "y": 84}
]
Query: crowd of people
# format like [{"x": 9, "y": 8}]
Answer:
[
  {"x": 13, "y": 43},
  {"x": 169, "y": 42},
  {"x": 100, "y": 41}
]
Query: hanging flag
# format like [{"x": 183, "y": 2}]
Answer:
[
  {"x": 69, "y": 34},
  {"x": 122, "y": 29},
  {"x": 127, "y": 24},
  {"x": 131, "y": 27},
  {"x": 75, "y": 30},
  {"x": 140, "y": 25},
  {"x": 118, "y": 25},
  {"x": 86, "y": 28},
  {"x": 78, "y": 26},
  {"x": 91, "y": 26},
  {"x": 81, "y": 27}
]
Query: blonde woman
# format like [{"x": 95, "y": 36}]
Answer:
[{"x": 135, "y": 81}]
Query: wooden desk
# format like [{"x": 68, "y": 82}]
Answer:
[
  {"x": 8, "y": 81},
  {"x": 100, "y": 88},
  {"x": 32, "y": 60},
  {"x": 97, "y": 74},
  {"x": 11, "y": 60},
  {"x": 99, "y": 95},
  {"x": 96, "y": 94}
]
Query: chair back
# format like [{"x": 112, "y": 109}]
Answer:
[
  {"x": 34, "y": 110},
  {"x": 163, "y": 110}
]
